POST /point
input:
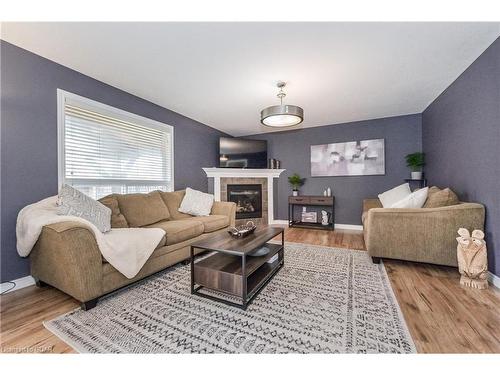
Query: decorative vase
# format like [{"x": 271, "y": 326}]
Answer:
[
  {"x": 295, "y": 193},
  {"x": 416, "y": 175},
  {"x": 472, "y": 259},
  {"x": 329, "y": 192}
]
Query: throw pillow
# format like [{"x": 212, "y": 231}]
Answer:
[
  {"x": 440, "y": 198},
  {"x": 394, "y": 195},
  {"x": 196, "y": 203},
  {"x": 414, "y": 200},
  {"x": 117, "y": 218},
  {"x": 73, "y": 202}
]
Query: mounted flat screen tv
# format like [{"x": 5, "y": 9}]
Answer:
[{"x": 242, "y": 153}]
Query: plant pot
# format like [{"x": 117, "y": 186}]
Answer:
[
  {"x": 295, "y": 193},
  {"x": 416, "y": 175}
]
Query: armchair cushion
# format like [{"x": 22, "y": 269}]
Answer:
[
  {"x": 440, "y": 198},
  {"x": 394, "y": 195},
  {"x": 414, "y": 200}
]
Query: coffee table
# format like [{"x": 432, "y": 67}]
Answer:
[{"x": 230, "y": 271}]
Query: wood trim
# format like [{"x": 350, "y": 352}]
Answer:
[{"x": 21, "y": 283}]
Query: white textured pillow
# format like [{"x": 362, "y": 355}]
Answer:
[
  {"x": 196, "y": 203},
  {"x": 414, "y": 200},
  {"x": 73, "y": 202},
  {"x": 392, "y": 196}
]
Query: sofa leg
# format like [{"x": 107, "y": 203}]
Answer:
[
  {"x": 39, "y": 283},
  {"x": 376, "y": 260},
  {"x": 89, "y": 304}
]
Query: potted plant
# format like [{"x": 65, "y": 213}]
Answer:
[
  {"x": 296, "y": 181},
  {"x": 415, "y": 161}
]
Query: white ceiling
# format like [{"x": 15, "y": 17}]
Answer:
[{"x": 223, "y": 74}]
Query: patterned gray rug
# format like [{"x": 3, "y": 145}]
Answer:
[{"x": 324, "y": 300}]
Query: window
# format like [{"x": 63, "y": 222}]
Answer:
[{"x": 104, "y": 150}]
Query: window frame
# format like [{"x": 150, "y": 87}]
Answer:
[{"x": 102, "y": 108}]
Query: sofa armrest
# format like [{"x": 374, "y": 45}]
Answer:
[
  {"x": 227, "y": 209},
  {"x": 67, "y": 257},
  {"x": 420, "y": 234},
  {"x": 371, "y": 203}
]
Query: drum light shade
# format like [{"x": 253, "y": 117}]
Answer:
[{"x": 280, "y": 116}]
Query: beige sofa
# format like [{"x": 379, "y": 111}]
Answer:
[
  {"x": 67, "y": 257},
  {"x": 425, "y": 235}
]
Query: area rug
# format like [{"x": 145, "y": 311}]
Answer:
[{"x": 324, "y": 300}]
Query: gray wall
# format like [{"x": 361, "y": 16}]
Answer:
[
  {"x": 29, "y": 138},
  {"x": 461, "y": 136},
  {"x": 402, "y": 136}
]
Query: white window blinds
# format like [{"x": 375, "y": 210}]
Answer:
[{"x": 106, "y": 150}]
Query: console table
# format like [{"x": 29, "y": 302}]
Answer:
[{"x": 326, "y": 203}]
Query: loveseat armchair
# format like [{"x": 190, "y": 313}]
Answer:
[{"x": 425, "y": 235}]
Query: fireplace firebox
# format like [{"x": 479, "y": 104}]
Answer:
[{"x": 248, "y": 199}]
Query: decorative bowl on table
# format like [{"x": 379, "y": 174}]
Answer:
[
  {"x": 244, "y": 230},
  {"x": 260, "y": 252}
]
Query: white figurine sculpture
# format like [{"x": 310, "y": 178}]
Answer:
[
  {"x": 324, "y": 217},
  {"x": 472, "y": 259}
]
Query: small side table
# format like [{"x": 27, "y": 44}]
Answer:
[
  {"x": 328, "y": 203},
  {"x": 421, "y": 182}
]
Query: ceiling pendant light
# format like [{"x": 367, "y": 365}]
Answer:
[{"x": 280, "y": 116}]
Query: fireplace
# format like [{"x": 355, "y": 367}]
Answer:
[
  {"x": 248, "y": 199},
  {"x": 266, "y": 178}
]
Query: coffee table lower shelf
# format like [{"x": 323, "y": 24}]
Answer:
[{"x": 229, "y": 278}]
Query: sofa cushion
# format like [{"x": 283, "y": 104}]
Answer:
[
  {"x": 179, "y": 230},
  {"x": 414, "y": 200},
  {"x": 117, "y": 218},
  {"x": 394, "y": 195},
  {"x": 212, "y": 223},
  {"x": 73, "y": 202},
  {"x": 173, "y": 201},
  {"x": 440, "y": 198},
  {"x": 143, "y": 209},
  {"x": 196, "y": 203}
]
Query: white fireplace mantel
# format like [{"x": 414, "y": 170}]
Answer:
[{"x": 270, "y": 174}]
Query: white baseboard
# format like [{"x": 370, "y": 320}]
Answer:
[
  {"x": 280, "y": 222},
  {"x": 337, "y": 226},
  {"x": 349, "y": 226},
  {"x": 21, "y": 283},
  {"x": 494, "y": 279}
]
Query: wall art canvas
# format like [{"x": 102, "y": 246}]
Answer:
[{"x": 357, "y": 158}]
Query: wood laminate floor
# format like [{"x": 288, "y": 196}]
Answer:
[{"x": 442, "y": 316}]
